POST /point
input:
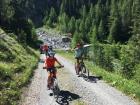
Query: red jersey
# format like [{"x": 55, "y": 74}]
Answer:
[{"x": 50, "y": 62}]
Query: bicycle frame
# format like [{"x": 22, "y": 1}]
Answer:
[
  {"x": 82, "y": 68},
  {"x": 52, "y": 78},
  {"x": 54, "y": 84}
]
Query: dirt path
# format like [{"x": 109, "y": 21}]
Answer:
[
  {"x": 74, "y": 90},
  {"x": 92, "y": 93},
  {"x": 37, "y": 93}
]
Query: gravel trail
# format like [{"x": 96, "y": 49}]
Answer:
[
  {"x": 74, "y": 90},
  {"x": 98, "y": 93},
  {"x": 37, "y": 93}
]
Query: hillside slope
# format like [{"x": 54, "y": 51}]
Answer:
[{"x": 16, "y": 67}]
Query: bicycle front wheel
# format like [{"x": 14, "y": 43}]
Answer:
[{"x": 85, "y": 71}]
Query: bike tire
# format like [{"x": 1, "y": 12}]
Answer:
[
  {"x": 56, "y": 90},
  {"x": 85, "y": 71},
  {"x": 76, "y": 69}
]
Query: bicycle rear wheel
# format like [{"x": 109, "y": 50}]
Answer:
[
  {"x": 76, "y": 69},
  {"x": 87, "y": 73},
  {"x": 56, "y": 90}
]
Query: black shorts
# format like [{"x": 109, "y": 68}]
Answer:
[
  {"x": 51, "y": 69},
  {"x": 78, "y": 58}
]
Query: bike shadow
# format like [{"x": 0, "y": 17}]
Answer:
[
  {"x": 65, "y": 97},
  {"x": 92, "y": 78}
]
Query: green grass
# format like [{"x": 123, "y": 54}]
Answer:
[
  {"x": 129, "y": 87},
  {"x": 16, "y": 68}
]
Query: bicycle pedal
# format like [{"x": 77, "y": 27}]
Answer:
[
  {"x": 51, "y": 94},
  {"x": 78, "y": 75}
]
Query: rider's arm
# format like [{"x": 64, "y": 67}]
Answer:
[
  {"x": 58, "y": 62},
  {"x": 45, "y": 63}
]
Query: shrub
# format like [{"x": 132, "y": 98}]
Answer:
[
  {"x": 137, "y": 73},
  {"x": 119, "y": 58}
]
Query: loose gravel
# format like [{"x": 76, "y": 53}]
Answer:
[
  {"x": 98, "y": 93},
  {"x": 74, "y": 90}
]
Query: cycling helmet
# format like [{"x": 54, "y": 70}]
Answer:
[
  {"x": 51, "y": 53},
  {"x": 50, "y": 47}
]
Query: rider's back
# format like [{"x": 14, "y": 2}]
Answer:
[
  {"x": 50, "y": 62},
  {"x": 79, "y": 52}
]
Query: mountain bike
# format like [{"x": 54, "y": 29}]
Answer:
[
  {"x": 54, "y": 83},
  {"x": 81, "y": 70}
]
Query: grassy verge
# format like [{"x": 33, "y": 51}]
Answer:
[
  {"x": 17, "y": 63},
  {"x": 129, "y": 87}
]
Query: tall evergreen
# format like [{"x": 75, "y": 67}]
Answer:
[
  {"x": 84, "y": 12},
  {"x": 52, "y": 17},
  {"x": 115, "y": 23},
  {"x": 126, "y": 17},
  {"x": 114, "y": 35},
  {"x": 101, "y": 31},
  {"x": 63, "y": 22},
  {"x": 76, "y": 38},
  {"x": 94, "y": 36},
  {"x": 71, "y": 25}
]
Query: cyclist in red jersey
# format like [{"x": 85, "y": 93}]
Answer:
[{"x": 50, "y": 65}]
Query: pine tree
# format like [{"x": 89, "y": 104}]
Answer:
[
  {"x": 46, "y": 17},
  {"x": 71, "y": 25},
  {"x": 135, "y": 40},
  {"x": 62, "y": 9},
  {"x": 92, "y": 12},
  {"x": 114, "y": 31},
  {"x": 113, "y": 12},
  {"x": 94, "y": 35},
  {"x": 76, "y": 38},
  {"x": 101, "y": 32},
  {"x": 115, "y": 23},
  {"x": 87, "y": 24},
  {"x": 126, "y": 17},
  {"x": 63, "y": 22},
  {"x": 77, "y": 24},
  {"x": 82, "y": 25},
  {"x": 83, "y": 12},
  {"x": 136, "y": 25},
  {"x": 6, "y": 10},
  {"x": 52, "y": 17},
  {"x": 98, "y": 13},
  {"x": 94, "y": 42}
]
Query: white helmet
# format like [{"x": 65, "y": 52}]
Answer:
[{"x": 51, "y": 53}]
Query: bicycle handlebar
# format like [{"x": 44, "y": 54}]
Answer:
[
  {"x": 54, "y": 67},
  {"x": 58, "y": 67}
]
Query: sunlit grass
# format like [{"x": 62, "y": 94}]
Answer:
[{"x": 16, "y": 68}]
